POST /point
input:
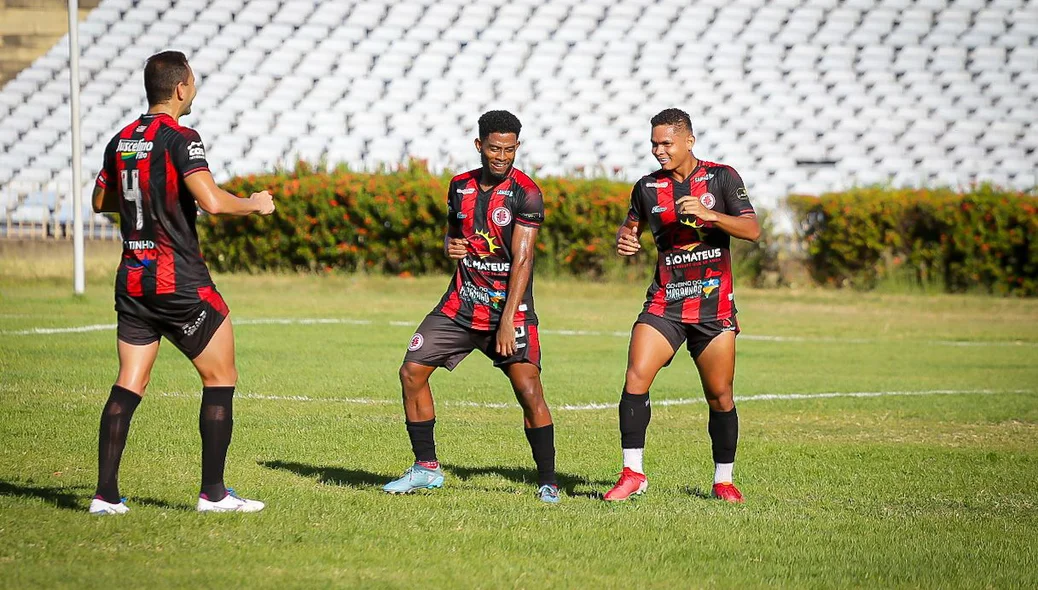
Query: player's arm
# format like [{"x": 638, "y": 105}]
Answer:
[
  {"x": 454, "y": 244},
  {"x": 524, "y": 237},
  {"x": 742, "y": 225},
  {"x": 105, "y": 200},
  {"x": 627, "y": 235},
  {"x": 216, "y": 201}
]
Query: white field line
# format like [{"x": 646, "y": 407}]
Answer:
[
  {"x": 616, "y": 333},
  {"x": 612, "y": 405}
]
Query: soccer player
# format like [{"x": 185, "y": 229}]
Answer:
[
  {"x": 693, "y": 208},
  {"x": 154, "y": 171},
  {"x": 493, "y": 214}
]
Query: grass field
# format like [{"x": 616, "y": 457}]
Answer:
[{"x": 930, "y": 478}]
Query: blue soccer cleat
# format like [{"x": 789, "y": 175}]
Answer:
[
  {"x": 416, "y": 478},
  {"x": 548, "y": 493}
]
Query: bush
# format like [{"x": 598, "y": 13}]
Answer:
[
  {"x": 394, "y": 223},
  {"x": 980, "y": 241}
]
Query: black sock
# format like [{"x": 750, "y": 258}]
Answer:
[
  {"x": 635, "y": 414},
  {"x": 542, "y": 443},
  {"x": 111, "y": 440},
  {"x": 215, "y": 423},
  {"x": 724, "y": 435},
  {"x": 422, "y": 442}
]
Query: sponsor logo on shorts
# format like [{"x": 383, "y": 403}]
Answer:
[
  {"x": 190, "y": 329},
  {"x": 416, "y": 342},
  {"x": 501, "y": 216},
  {"x": 708, "y": 200},
  {"x": 727, "y": 325}
]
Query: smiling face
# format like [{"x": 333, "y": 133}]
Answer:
[
  {"x": 672, "y": 146},
  {"x": 497, "y": 153}
]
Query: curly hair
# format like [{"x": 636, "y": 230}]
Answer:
[
  {"x": 498, "y": 122},
  {"x": 676, "y": 117}
]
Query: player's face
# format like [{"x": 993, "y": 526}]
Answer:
[
  {"x": 671, "y": 146},
  {"x": 497, "y": 153},
  {"x": 188, "y": 91}
]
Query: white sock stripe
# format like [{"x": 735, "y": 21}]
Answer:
[
  {"x": 612, "y": 405},
  {"x": 613, "y": 333}
]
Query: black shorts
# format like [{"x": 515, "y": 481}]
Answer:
[
  {"x": 188, "y": 320},
  {"x": 695, "y": 336},
  {"x": 439, "y": 342}
]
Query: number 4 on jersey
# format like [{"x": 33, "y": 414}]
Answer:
[{"x": 131, "y": 183}]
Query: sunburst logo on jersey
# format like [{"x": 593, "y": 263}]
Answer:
[
  {"x": 693, "y": 222},
  {"x": 690, "y": 247},
  {"x": 491, "y": 246}
]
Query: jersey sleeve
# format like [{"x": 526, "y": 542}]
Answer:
[
  {"x": 453, "y": 206},
  {"x": 528, "y": 207},
  {"x": 188, "y": 153},
  {"x": 108, "y": 172},
  {"x": 733, "y": 193},
  {"x": 634, "y": 212}
]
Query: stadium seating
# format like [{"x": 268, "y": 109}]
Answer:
[{"x": 798, "y": 95}]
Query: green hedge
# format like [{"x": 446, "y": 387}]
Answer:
[
  {"x": 985, "y": 240},
  {"x": 394, "y": 223}
]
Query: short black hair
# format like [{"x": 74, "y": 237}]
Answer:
[
  {"x": 162, "y": 73},
  {"x": 499, "y": 122},
  {"x": 676, "y": 117}
]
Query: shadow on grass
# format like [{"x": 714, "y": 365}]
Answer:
[
  {"x": 62, "y": 497},
  {"x": 330, "y": 475},
  {"x": 567, "y": 482},
  {"x": 156, "y": 503}
]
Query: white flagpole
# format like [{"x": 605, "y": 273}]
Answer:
[{"x": 78, "y": 273}]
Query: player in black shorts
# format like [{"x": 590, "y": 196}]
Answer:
[
  {"x": 154, "y": 172},
  {"x": 493, "y": 214},
  {"x": 693, "y": 208}
]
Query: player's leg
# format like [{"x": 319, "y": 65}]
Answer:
[
  {"x": 438, "y": 342},
  {"x": 218, "y": 371},
  {"x": 540, "y": 431},
  {"x": 135, "y": 364},
  {"x": 716, "y": 364},
  {"x": 653, "y": 341}
]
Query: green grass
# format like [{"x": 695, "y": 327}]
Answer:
[{"x": 932, "y": 490}]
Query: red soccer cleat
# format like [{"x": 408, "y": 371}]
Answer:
[
  {"x": 728, "y": 492},
  {"x": 631, "y": 483}
]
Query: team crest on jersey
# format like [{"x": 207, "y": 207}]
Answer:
[
  {"x": 416, "y": 342},
  {"x": 708, "y": 200},
  {"x": 501, "y": 216}
]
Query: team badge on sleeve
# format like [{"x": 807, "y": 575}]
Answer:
[{"x": 416, "y": 342}]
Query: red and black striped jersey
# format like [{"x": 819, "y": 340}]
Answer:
[
  {"x": 146, "y": 164},
  {"x": 477, "y": 294},
  {"x": 693, "y": 281}
]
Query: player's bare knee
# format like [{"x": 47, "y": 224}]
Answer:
[
  {"x": 529, "y": 395},
  {"x": 636, "y": 380},
  {"x": 410, "y": 379}
]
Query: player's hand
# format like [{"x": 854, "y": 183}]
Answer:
[
  {"x": 689, "y": 205},
  {"x": 627, "y": 243},
  {"x": 263, "y": 202},
  {"x": 506, "y": 338},
  {"x": 457, "y": 248}
]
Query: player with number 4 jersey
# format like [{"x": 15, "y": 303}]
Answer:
[{"x": 154, "y": 173}]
